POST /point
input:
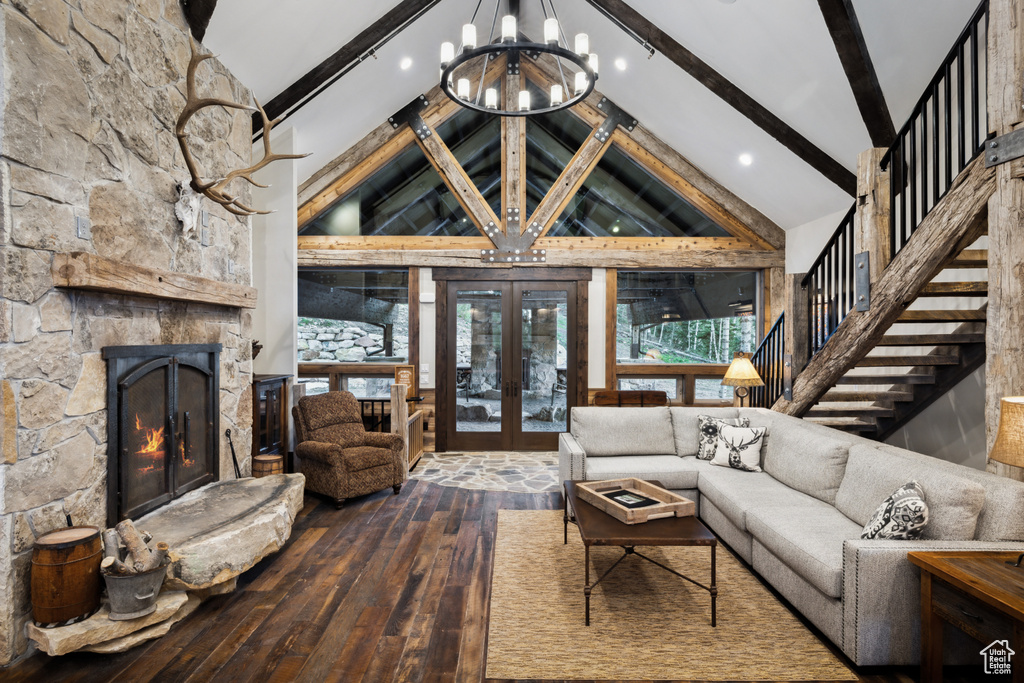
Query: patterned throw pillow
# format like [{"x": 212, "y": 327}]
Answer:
[
  {"x": 707, "y": 428},
  {"x": 739, "y": 447},
  {"x": 902, "y": 516}
]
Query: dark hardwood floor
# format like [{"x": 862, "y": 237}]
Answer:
[{"x": 390, "y": 588}]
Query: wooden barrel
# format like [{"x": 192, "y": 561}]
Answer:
[
  {"x": 262, "y": 465},
  {"x": 66, "y": 581}
]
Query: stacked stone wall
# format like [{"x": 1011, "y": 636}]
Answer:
[{"x": 90, "y": 93}]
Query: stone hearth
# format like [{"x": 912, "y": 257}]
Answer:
[{"x": 215, "y": 533}]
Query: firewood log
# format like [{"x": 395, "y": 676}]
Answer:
[
  {"x": 111, "y": 545},
  {"x": 112, "y": 565},
  {"x": 138, "y": 553},
  {"x": 146, "y": 536},
  {"x": 157, "y": 557}
]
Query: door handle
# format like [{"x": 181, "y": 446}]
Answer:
[
  {"x": 515, "y": 387},
  {"x": 507, "y": 389}
]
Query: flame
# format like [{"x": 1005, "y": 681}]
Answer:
[
  {"x": 153, "y": 447},
  {"x": 186, "y": 461}
]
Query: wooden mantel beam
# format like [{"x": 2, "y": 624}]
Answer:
[
  {"x": 82, "y": 270},
  {"x": 842, "y": 23},
  {"x": 731, "y": 94}
]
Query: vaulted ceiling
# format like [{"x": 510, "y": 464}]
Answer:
[{"x": 779, "y": 52}]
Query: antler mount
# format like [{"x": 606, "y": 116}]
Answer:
[{"x": 216, "y": 190}]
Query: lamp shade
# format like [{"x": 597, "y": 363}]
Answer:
[
  {"x": 741, "y": 373},
  {"x": 1009, "y": 445}
]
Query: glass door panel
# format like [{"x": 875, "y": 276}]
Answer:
[
  {"x": 544, "y": 351},
  {"x": 479, "y": 328}
]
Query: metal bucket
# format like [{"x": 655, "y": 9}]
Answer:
[{"x": 134, "y": 595}]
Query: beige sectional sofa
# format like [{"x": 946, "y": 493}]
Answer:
[{"x": 798, "y": 523}]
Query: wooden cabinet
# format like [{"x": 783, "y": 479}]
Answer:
[{"x": 271, "y": 410}]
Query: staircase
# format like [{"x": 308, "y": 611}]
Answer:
[{"x": 933, "y": 345}]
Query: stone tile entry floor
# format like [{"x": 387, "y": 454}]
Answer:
[{"x": 526, "y": 472}]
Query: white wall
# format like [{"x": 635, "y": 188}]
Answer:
[
  {"x": 274, "y": 260},
  {"x": 805, "y": 242},
  {"x": 597, "y": 324},
  {"x": 428, "y": 330},
  {"x": 952, "y": 428}
]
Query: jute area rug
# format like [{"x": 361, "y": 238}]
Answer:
[{"x": 644, "y": 622}]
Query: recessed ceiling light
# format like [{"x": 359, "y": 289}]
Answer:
[
  {"x": 746, "y": 159},
  {"x": 620, "y": 64},
  {"x": 405, "y": 63}
]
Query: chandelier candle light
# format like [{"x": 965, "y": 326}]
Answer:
[{"x": 460, "y": 68}]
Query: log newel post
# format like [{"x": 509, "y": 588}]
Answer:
[
  {"x": 872, "y": 219},
  {"x": 400, "y": 418},
  {"x": 1004, "y": 370},
  {"x": 796, "y": 322}
]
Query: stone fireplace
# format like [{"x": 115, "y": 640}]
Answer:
[
  {"x": 89, "y": 165},
  {"x": 163, "y": 423}
]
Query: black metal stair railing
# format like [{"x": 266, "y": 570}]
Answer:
[
  {"x": 768, "y": 360},
  {"x": 946, "y": 130},
  {"x": 830, "y": 284}
]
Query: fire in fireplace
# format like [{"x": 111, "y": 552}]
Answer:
[{"x": 163, "y": 423}]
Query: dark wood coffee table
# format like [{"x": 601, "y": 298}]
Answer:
[{"x": 599, "y": 528}]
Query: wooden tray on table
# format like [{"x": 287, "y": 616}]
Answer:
[{"x": 631, "y": 504}]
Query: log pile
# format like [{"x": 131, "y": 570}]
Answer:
[{"x": 137, "y": 557}]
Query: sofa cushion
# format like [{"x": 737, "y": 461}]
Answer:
[
  {"x": 1002, "y": 515},
  {"x": 734, "y": 492},
  {"x": 739, "y": 448},
  {"x": 623, "y": 431},
  {"x": 805, "y": 456},
  {"x": 871, "y": 475},
  {"x": 902, "y": 516},
  {"x": 671, "y": 471},
  {"x": 686, "y": 429},
  {"x": 708, "y": 428},
  {"x": 808, "y": 538}
]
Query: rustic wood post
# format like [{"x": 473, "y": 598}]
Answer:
[
  {"x": 872, "y": 219},
  {"x": 1004, "y": 337},
  {"x": 400, "y": 418},
  {"x": 796, "y": 322},
  {"x": 776, "y": 296}
]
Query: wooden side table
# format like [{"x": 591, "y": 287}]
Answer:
[{"x": 978, "y": 593}]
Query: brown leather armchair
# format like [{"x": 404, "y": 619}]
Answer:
[{"x": 338, "y": 456}]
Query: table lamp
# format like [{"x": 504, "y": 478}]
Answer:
[
  {"x": 741, "y": 374},
  {"x": 1009, "y": 445}
]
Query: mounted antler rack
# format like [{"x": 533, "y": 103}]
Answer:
[{"x": 217, "y": 189}]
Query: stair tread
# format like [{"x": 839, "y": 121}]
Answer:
[
  {"x": 840, "y": 423},
  {"x": 828, "y": 411},
  {"x": 893, "y": 361},
  {"x": 970, "y": 258},
  {"x": 931, "y": 339},
  {"x": 941, "y": 316},
  {"x": 897, "y": 378},
  {"x": 971, "y": 288},
  {"x": 833, "y": 396}
]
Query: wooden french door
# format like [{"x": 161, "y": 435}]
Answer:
[{"x": 508, "y": 358}]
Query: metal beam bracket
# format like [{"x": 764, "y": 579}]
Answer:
[
  {"x": 615, "y": 117},
  {"x": 1004, "y": 148},
  {"x": 410, "y": 113},
  {"x": 862, "y": 280},
  {"x": 787, "y": 377}
]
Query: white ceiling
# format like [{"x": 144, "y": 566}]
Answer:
[{"x": 779, "y": 52}]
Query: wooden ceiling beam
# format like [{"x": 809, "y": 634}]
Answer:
[
  {"x": 732, "y": 95},
  {"x": 353, "y": 52},
  {"x": 841, "y": 19}
]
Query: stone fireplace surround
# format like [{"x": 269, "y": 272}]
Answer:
[{"x": 89, "y": 162}]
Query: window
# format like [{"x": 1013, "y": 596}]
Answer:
[
  {"x": 551, "y": 142},
  {"x": 353, "y": 316},
  {"x": 405, "y": 197},
  {"x": 670, "y": 385},
  {"x": 474, "y": 139},
  {"x": 621, "y": 198},
  {"x": 686, "y": 317}
]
